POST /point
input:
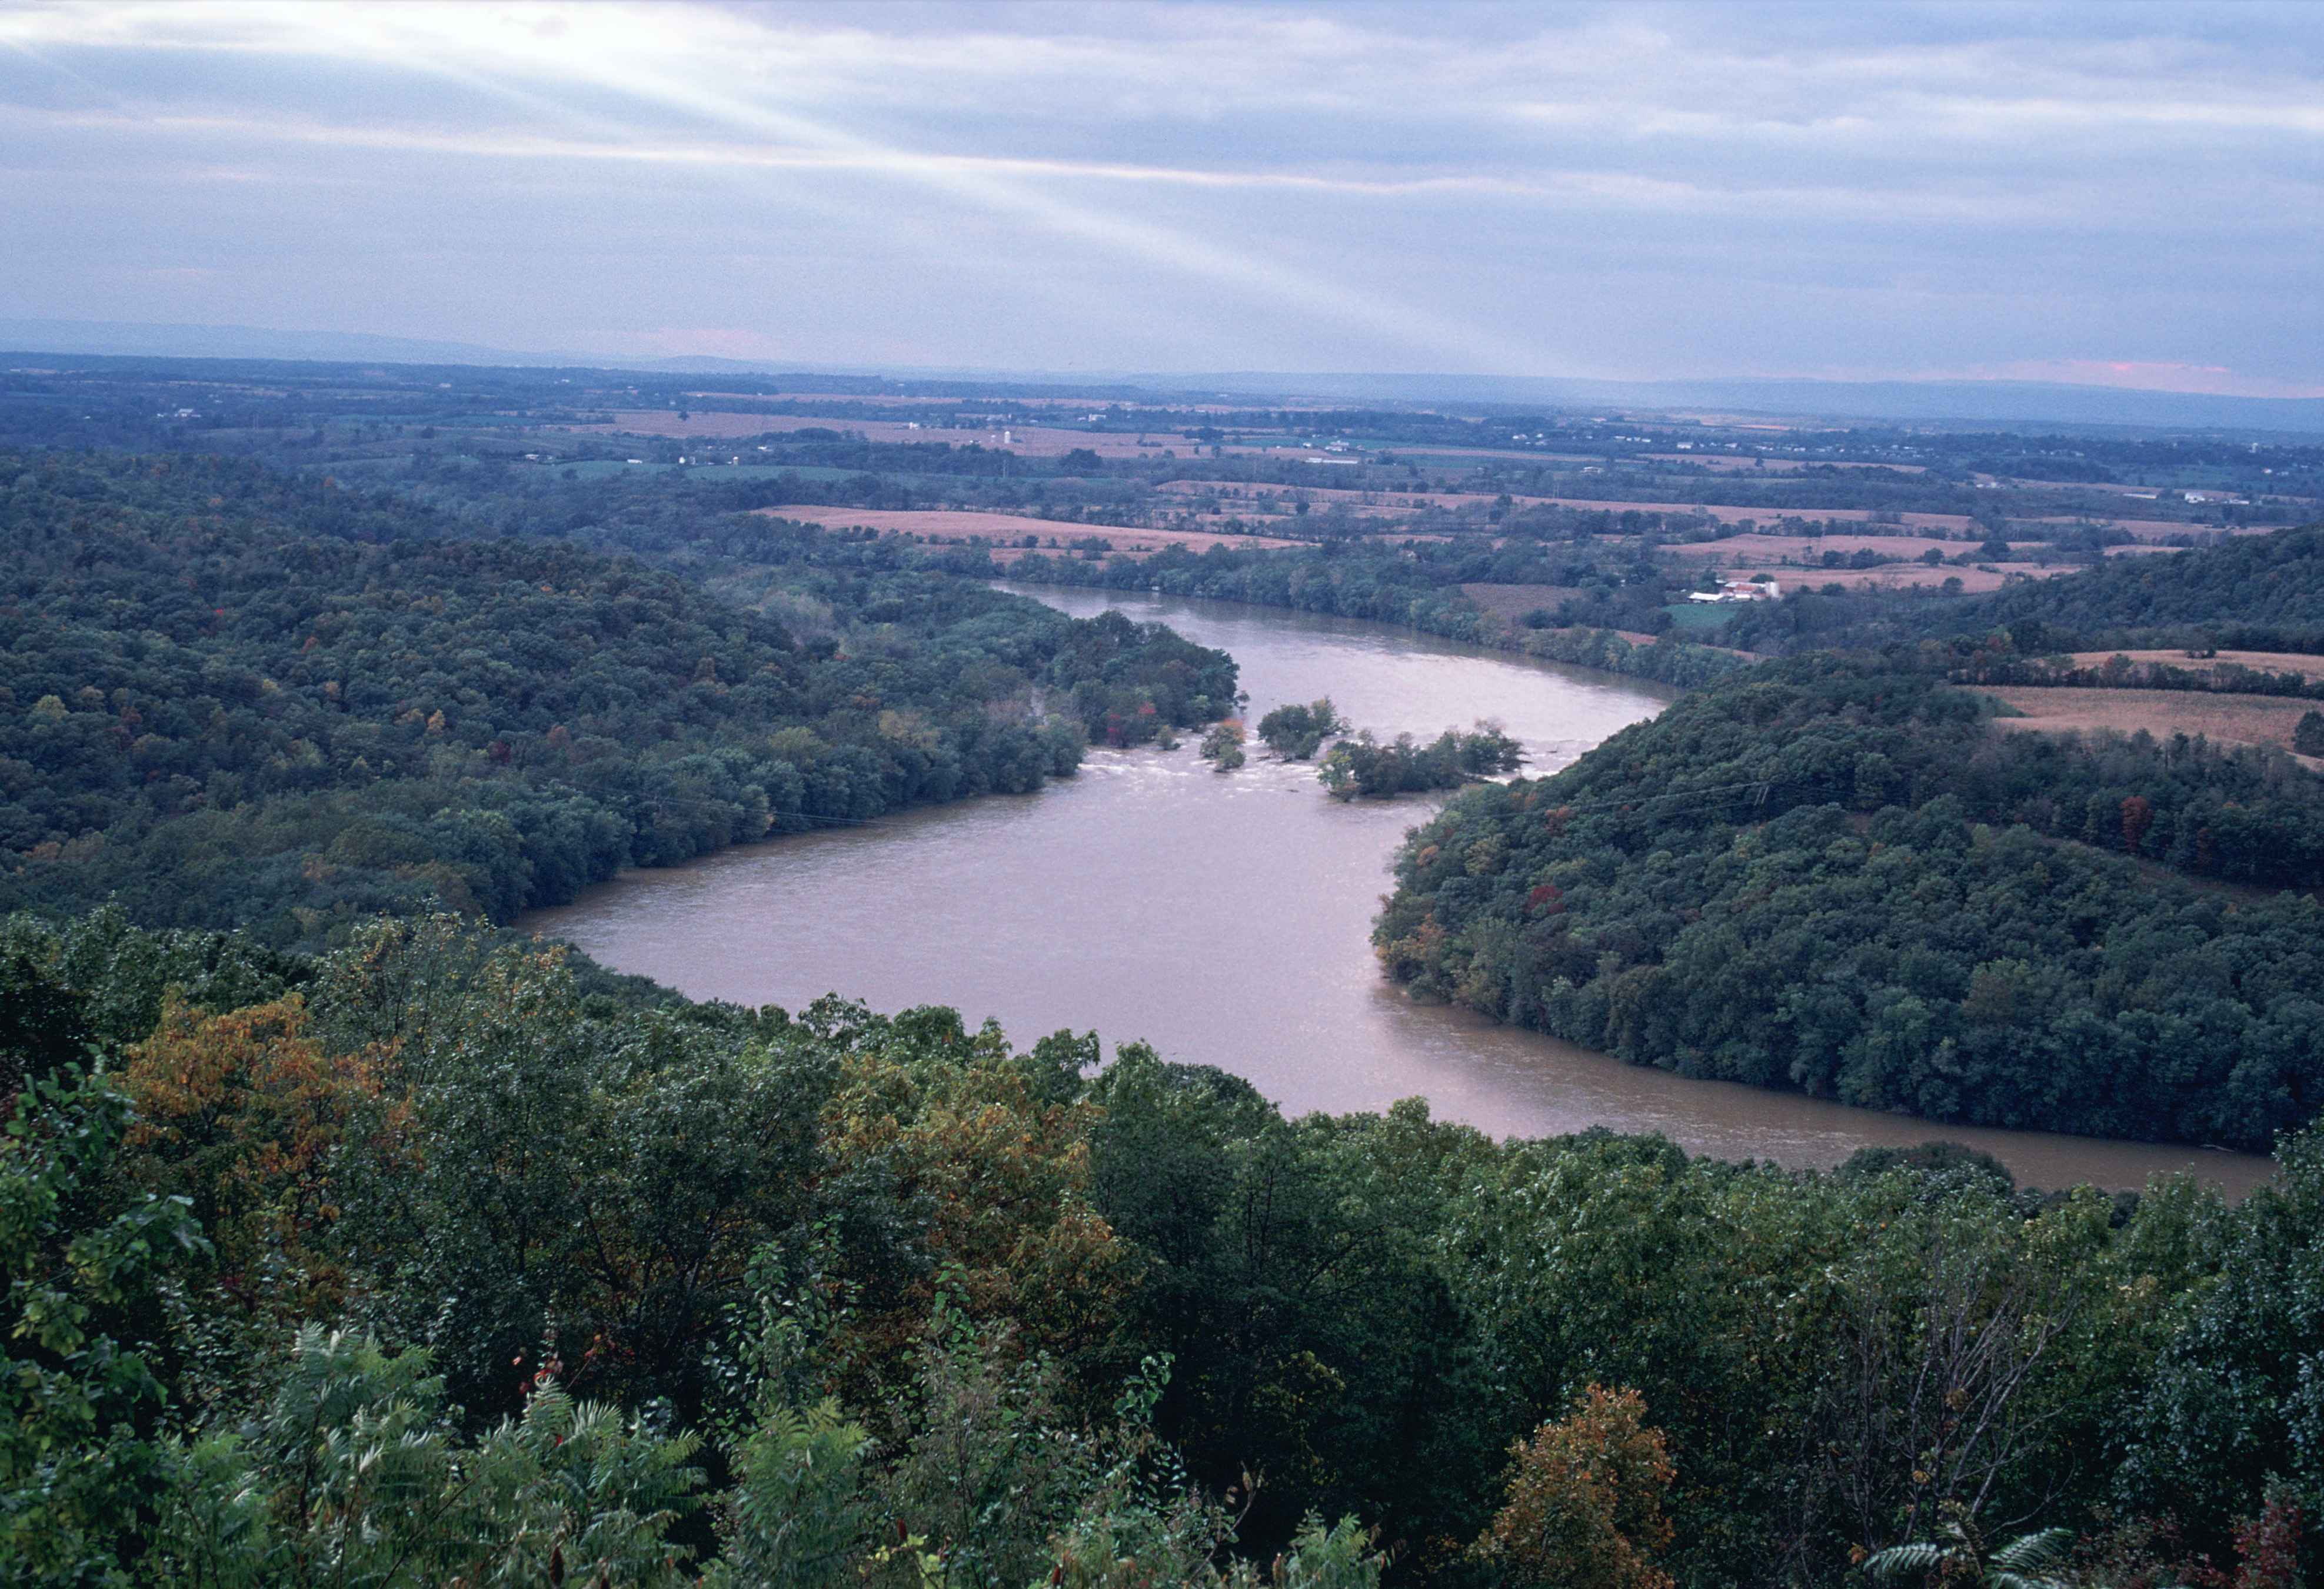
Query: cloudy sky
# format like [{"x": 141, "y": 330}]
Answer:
[{"x": 2117, "y": 194}]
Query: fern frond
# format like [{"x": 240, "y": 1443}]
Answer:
[
  {"x": 2031, "y": 1551},
  {"x": 1899, "y": 1561}
]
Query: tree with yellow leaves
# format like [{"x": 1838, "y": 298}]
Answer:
[
  {"x": 239, "y": 1113},
  {"x": 1585, "y": 1500}
]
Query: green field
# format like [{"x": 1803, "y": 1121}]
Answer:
[{"x": 1695, "y": 616}]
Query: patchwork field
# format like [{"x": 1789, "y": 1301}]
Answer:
[{"x": 2240, "y": 719}]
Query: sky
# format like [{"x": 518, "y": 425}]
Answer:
[{"x": 2117, "y": 194}]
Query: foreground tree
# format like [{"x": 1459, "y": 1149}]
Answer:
[{"x": 1585, "y": 1506}]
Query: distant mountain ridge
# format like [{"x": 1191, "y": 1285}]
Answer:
[{"x": 2008, "y": 402}]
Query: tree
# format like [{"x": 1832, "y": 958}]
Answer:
[
  {"x": 1223, "y": 746},
  {"x": 2230, "y": 1416},
  {"x": 81, "y": 1260},
  {"x": 353, "y": 1474},
  {"x": 802, "y": 1514},
  {"x": 1585, "y": 1500},
  {"x": 1296, "y": 732},
  {"x": 240, "y": 1114}
]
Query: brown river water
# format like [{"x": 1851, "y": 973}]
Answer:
[{"x": 1225, "y": 918}]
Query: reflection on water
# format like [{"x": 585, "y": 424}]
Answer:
[{"x": 1225, "y": 918}]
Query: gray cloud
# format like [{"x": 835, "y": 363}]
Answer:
[{"x": 1632, "y": 190}]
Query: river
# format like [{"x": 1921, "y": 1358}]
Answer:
[{"x": 1225, "y": 918}]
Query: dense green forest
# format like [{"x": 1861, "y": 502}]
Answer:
[
  {"x": 240, "y": 698},
  {"x": 2266, "y": 591},
  {"x": 1830, "y": 877},
  {"x": 418, "y": 1263}
]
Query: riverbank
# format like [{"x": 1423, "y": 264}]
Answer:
[{"x": 1225, "y": 918}]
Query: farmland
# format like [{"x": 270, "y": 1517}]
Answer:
[
  {"x": 1797, "y": 561},
  {"x": 2307, "y": 667},
  {"x": 2240, "y": 719}
]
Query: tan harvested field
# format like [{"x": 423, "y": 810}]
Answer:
[
  {"x": 2240, "y": 719},
  {"x": 2307, "y": 667},
  {"x": 1974, "y": 581},
  {"x": 957, "y": 526}
]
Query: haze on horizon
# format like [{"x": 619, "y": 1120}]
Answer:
[{"x": 2109, "y": 195}]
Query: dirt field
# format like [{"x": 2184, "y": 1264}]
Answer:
[
  {"x": 957, "y": 527},
  {"x": 2241, "y": 719}
]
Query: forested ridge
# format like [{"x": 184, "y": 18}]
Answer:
[
  {"x": 2267, "y": 590},
  {"x": 416, "y": 1263},
  {"x": 238, "y": 698},
  {"x": 1831, "y": 877}
]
